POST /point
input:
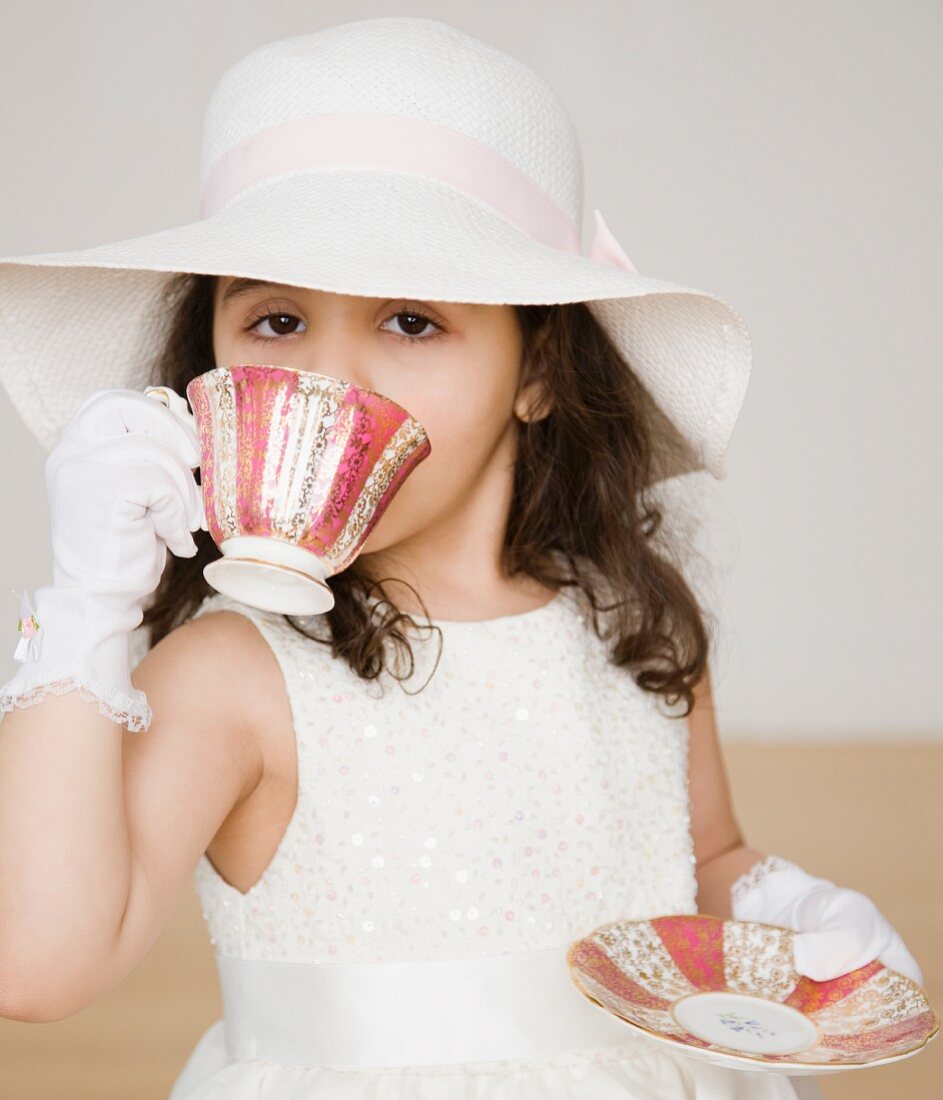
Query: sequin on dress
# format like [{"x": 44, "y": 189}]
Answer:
[{"x": 529, "y": 792}]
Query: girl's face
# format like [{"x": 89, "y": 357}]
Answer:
[{"x": 454, "y": 367}]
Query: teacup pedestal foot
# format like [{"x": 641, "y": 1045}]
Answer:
[{"x": 272, "y": 575}]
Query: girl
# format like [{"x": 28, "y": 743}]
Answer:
[{"x": 399, "y": 814}]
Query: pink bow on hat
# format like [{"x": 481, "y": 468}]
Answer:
[{"x": 605, "y": 249}]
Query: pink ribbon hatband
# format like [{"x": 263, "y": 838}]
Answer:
[{"x": 388, "y": 142}]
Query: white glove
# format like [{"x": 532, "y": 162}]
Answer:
[
  {"x": 121, "y": 491},
  {"x": 840, "y": 929}
]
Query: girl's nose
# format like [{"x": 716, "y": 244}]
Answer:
[
  {"x": 347, "y": 367},
  {"x": 333, "y": 348},
  {"x": 349, "y": 376}
]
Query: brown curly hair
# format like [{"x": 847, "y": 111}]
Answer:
[{"x": 594, "y": 450}]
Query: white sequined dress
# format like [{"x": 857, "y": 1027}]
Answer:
[{"x": 407, "y": 941}]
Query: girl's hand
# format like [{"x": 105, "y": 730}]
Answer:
[
  {"x": 121, "y": 494},
  {"x": 839, "y": 929},
  {"x": 842, "y": 929}
]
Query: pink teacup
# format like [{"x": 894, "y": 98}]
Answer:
[{"x": 296, "y": 469}]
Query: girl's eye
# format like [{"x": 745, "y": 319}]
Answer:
[
  {"x": 413, "y": 319},
  {"x": 280, "y": 318}
]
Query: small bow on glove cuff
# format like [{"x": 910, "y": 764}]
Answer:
[
  {"x": 28, "y": 647},
  {"x": 839, "y": 929}
]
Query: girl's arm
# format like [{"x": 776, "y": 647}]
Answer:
[
  {"x": 839, "y": 929},
  {"x": 100, "y": 828},
  {"x": 719, "y": 849},
  {"x": 715, "y": 878}
]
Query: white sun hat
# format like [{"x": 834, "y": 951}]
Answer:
[{"x": 396, "y": 156}]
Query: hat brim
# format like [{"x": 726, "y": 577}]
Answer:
[{"x": 74, "y": 322}]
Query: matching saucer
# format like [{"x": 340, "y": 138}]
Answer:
[{"x": 727, "y": 992}]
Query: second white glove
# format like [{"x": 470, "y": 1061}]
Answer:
[{"x": 839, "y": 929}]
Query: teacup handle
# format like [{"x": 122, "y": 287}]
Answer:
[{"x": 173, "y": 401}]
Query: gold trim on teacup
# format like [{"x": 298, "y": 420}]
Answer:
[{"x": 274, "y": 565}]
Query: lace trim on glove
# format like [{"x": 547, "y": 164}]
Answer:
[
  {"x": 752, "y": 877},
  {"x": 132, "y": 711}
]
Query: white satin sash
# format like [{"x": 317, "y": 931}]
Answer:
[{"x": 425, "y": 1012}]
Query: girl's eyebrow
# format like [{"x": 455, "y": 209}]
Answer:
[{"x": 240, "y": 287}]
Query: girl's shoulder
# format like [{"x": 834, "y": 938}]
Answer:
[
  {"x": 218, "y": 602},
  {"x": 249, "y": 647},
  {"x": 274, "y": 627},
  {"x": 236, "y": 634},
  {"x": 269, "y": 623},
  {"x": 252, "y": 630}
]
